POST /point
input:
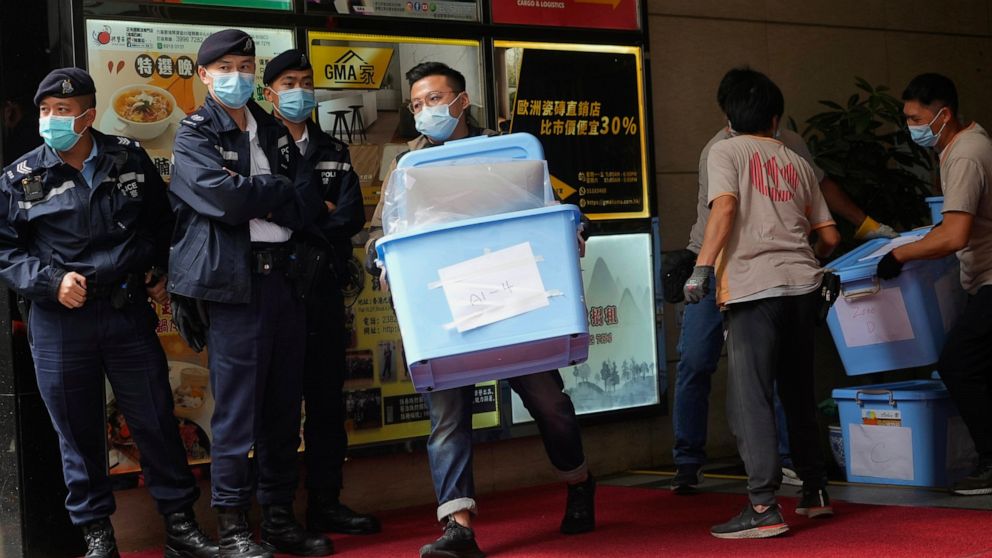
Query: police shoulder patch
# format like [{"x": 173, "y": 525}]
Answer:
[{"x": 196, "y": 119}]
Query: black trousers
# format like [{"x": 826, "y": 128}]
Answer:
[
  {"x": 966, "y": 368},
  {"x": 323, "y": 380},
  {"x": 770, "y": 342}
]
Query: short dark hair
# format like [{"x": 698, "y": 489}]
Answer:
[
  {"x": 731, "y": 79},
  {"x": 87, "y": 101},
  {"x": 425, "y": 69},
  {"x": 928, "y": 89},
  {"x": 751, "y": 104}
]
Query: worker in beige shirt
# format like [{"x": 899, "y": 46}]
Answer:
[
  {"x": 931, "y": 110},
  {"x": 765, "y": 204}
]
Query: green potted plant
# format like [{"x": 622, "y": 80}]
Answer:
[{"x": 865, "y": 147}]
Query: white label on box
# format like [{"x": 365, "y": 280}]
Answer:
[
  {"x": 493, "y": 287},
  {"x": 890, "y": 246},
  {"x": 881, "y": 451},
  {"x": 878, "y": 318},
  {"x": 950, "y": 297},
  {"x": 885, "y": 417}
]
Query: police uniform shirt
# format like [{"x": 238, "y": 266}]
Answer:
[
  {"x": 89, "y": 166},
  {"x": 261, "y": 230},
  {"x": 304, "y": 141}
]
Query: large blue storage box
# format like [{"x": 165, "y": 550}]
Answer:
[
  {"x": 936, "y": 204},
  {"x": 906, "y": 433},
  {"x": 441, "y": 357},
  {"x": 880, "y": 325}
]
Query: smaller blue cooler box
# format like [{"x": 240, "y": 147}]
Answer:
[
  {"x": 544, "y": 339},
  {"x": 906, "y": 433},
  {"x": 880, "y": 325},
  {"x": 936, "y": 204}
]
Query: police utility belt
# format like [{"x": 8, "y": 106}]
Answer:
[
  {"x": 129, "y": 290},
  {"x": 306, "y": 266}
]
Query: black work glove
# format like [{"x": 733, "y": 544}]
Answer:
[
  {"x": 676, "y": 267},
  {"x": 191, "y": 325},
  {"x": 698, "y": 285},
  {"x": 888, "y": 267},
  {"x": 371, "y": 267}
]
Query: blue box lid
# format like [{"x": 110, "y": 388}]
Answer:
[
  {"x": 850, "y": 267},
  {"x": 911, "y": 390},
  {"x": 511, "y": 146},
  {"x": 934, "y": 199}
]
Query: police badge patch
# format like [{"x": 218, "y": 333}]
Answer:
[{"x": 67, "y": 88}]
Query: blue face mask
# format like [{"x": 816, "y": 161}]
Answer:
[
  {"x": 233, "y": 89},
  {"x": 296, "y": 105},
  {"x": 437, "y": 122},
  {"x": 923, "y": 135},
  {"x": 59, "y": 132}
]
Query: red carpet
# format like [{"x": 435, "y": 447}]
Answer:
[{"x": 639, "y": 522}]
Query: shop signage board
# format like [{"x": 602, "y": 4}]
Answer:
[
  {"x": 601, "y": 14},
  {"x": 452, "y": 10},
  {"x": 586, "y": 105},
  {"x": 622, "y": 371},
  {"x": 251, "y": 4},
  {"x": 345, "y": 67}
]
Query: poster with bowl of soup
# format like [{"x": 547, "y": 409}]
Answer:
[{"x": 147, "y": 82}]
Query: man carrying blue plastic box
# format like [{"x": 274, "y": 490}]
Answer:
[
  {"x": 440, "y": 104},
  {"x": 764, "y": 204},
  {"x": 931, "y": 110}
]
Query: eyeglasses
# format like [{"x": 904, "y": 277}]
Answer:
[{"x": 432, "y": 99}]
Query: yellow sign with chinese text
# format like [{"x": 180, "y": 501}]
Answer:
[{"x": 349, "y": 67}]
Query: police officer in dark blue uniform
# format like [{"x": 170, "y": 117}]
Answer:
[
  {"x": 84, "y": 233},
  {"x": 289, "y": 87},
  {"x": 238, "y": 198}
]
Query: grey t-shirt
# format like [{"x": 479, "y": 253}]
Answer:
[
  {"x": 965, "y": 175},
  {"x": 791, "y": 140}
]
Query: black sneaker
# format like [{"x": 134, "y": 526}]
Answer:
[
  {"x": 456, "y": 542},
  {"x": 815, "y": 502},
  {"x": 977, "y": 483},
  {"x": 580, "y": 508},
  {"x": 750, "y": 524},
  {"x": 100, "y": 540},
  {"x": 686, "y": 479}
]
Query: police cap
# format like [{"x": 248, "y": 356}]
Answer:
[
  {"x": 228, "y": 41},
  {"x": 293, "y": 59},
  {"x": 64, "y": 83}
]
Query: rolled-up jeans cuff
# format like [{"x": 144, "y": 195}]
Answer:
[
  {"x": 456, "y": 505},
  {"x": 575, "y": 475}
]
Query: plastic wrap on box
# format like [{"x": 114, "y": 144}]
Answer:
[{"x": 423, "y": 196}]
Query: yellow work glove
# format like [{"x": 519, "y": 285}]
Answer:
[{"x": 871, "y": 228}]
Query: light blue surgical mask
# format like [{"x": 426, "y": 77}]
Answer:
[
  {"x": 923, "y": 135},
  {"x": 59, "y": 132},
  {"x": 233, "y": 89},
  {"x": 437, "y": 122},
  {"x": 296, "y": 104}
]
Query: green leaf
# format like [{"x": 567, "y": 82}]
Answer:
[{"x": 831, "y": 104}]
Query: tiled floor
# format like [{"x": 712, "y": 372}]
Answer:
[{"x": 718, "y": 481}]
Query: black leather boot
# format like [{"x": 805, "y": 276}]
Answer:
[
  {"x": 281, "y": 533},
  {"x": 184, "y": 539},
  {"x": 235, "y": 536},
  {"x": 326, "y": 514},
  {"x": 100, "y": 541},
  {"x": 580, "y": 510}
]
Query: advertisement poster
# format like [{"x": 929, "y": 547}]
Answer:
[
  {"x": 452, "y": 10},
  {"x": 380, "y": 401},
  {"x": 251, "y": 4},
  {"x": 138, "y": 64},
  {"x": 586, "y": 105},
  {"x": 363, "y": 96},
  {"x": 600, "y": 14},
  {"x": 622, "y": 371}
]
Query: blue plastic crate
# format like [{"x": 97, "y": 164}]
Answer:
[
  {"x": 440, "y": 357},
  {"x": 906, "y": 433},
  {"x": 490, "y": 148},
  {"x": 882, "y": 325},
  {"x": 936, "y": 204}
]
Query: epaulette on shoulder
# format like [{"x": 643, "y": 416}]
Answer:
[
  {"x": 21, "y": 168},
  {"x": 196, "y": 119},
  {"x": 125, "y": 142}
]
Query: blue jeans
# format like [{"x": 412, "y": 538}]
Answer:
[
  {"x": 449, "y": 448},
  {"x": 700, "y": 344}
]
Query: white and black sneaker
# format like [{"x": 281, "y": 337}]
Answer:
[
  {"x": 977, "y": 483},
  {"x": 791, "y": 477},
  {"x": 814, "y": 503},
  {"x": 750, "y": 524},
  {"x": 686, "y": 479}
]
